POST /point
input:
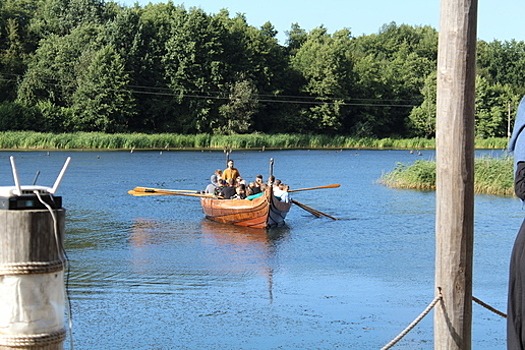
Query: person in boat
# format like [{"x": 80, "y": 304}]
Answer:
[
  {"x": 281, "y": 192},
  {"x": 239, "y": 180},
  {"x": 276, "y": 183},
  {"x": 249, "y": 191},
  {"x": 213, "y": 185},
  {"x": 220, "y": 187},
  {"x": 253, "y": 188},
  {"x": 230, "y": 172},
  {"x": 228, "y": 191},
  {"x": 257, "y": 188},
  {"x": 285, "y": 196},
  {"x": 258, "y": 185},
  {"x": 240, "y": 192}
]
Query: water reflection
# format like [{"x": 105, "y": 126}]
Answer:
[
  {"x": 183, "y": 257},
  {"x": 244, "y": 236},
  {"x": 143, "y": 232},
  {"x": 247, "y": 247}
]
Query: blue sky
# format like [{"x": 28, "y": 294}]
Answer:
[{"x": 497, "y": 19}]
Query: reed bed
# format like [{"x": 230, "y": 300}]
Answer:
[
  {"x": 491, "y": 176},
  {"x": 84, "y": 140},
  {"x": 421, "y": 175}
]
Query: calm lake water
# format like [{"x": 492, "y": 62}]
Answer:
[{"x": 152, "y": 273}]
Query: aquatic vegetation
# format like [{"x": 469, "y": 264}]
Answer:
[
  {"x": 98, "y": 140},
  {"x": 491, "y": 176}
]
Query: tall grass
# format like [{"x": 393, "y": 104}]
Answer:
[
  {"x": 84, "y": 140},
  {"x": 421, "y": 175},
  {"x": 491, "y": 176}
]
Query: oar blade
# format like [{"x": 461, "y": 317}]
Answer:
[
  {"x": 142, "y": 194},
  {"x": 312, "y": 211}
]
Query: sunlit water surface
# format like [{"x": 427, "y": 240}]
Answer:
[{"x": 152, "y": 273}]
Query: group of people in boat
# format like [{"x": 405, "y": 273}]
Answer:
[{"x": 228, "y": 184}]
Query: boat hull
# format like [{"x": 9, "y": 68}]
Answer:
[{"x": 263, "y": 212}]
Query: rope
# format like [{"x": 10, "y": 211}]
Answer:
[
  {"x": 31, "y": 340},
  {"x": 414, "y": 323},
  {"x": 488, "y": 307},
  {"x": 427, "y": 310},
  {"x": 31, "y": 267}
]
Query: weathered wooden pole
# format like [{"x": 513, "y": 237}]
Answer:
[
  {"x": 455, "y": 173},
  {"x": 32, "y": 292}
]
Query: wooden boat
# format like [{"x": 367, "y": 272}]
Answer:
[{"x": 263, "y": 212}]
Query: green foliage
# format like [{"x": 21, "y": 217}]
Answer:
[
  {"x": 88, "y": 140},
  {"x": 391, "y": 67},
  {"x": 492, "y": 102},
  {"x": 99, "y": 66},
  {"x": 326, "y": 63},
  {"x": 102, "y": 101},
  {"x": 494, "y": 176},
  {"x": 237, "y": 114},
  {"x": 503, "y": 62},
  {"x": 61, "y": 17},
  {"x": 491, "y": 176},
  {"x": 14, "y": 116},
  {"x": 53, "y": 70},
  {"x": 420, "y": 175},
  {"x": 196, "y": 65},
  {"x": 422, "y": 119},
  {"x": 54, "y": 118}
]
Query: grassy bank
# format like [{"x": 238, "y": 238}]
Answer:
[
  {"x": 81, "y": 140},
  {"x": 491, "y": 176}
]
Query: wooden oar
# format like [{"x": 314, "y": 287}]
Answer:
[
  {"x": 311, "y": 210},
  {"x": 315, "y": 188},
  {"x": 151, "y": 189},
  {"x": 158, "y": 192},
  {"x": 138, "y": 193}
]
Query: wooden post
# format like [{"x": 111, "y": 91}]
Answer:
[
  {"x": 32, "y": 295},
  {"x": 455, "y": 173}
]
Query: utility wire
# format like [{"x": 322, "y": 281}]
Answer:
[{"x": 267, "y": 98}]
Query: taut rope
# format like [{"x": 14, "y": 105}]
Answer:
[
  {"x": 488, "y": 307},
  {"x": 427, "y": 310},
  {"x": 414, "y": 323}
]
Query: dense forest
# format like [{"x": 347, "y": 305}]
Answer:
[{"x": 90, "y": 65}]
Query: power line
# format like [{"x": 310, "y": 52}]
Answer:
[{"x": 266, "y": 98}]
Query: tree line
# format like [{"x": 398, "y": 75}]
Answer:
[{"x": 90, "y": 65}]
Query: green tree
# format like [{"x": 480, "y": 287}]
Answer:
[
  {"x": 52, "y": 71},
  {"x": 296, "y": 37},
  {"x": 157, "y": 109},
  {"x": 326, "y": 64},
  {"x": 391, "y": 67},
  {"x": 102, "y": 101},
  {"x": 492, "y": 108},
  {"x": 195, "y": 64},
  {"x": 14, "y": 116},
  {"x": 237, "y": 113},
  {"x": 256, "y": 55},
  {"x": 61, "y": 17},
  {"x": 503, "y": 62},
  {"x": 16, "y": 44},
  {"x": 422, "y": 121}
]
